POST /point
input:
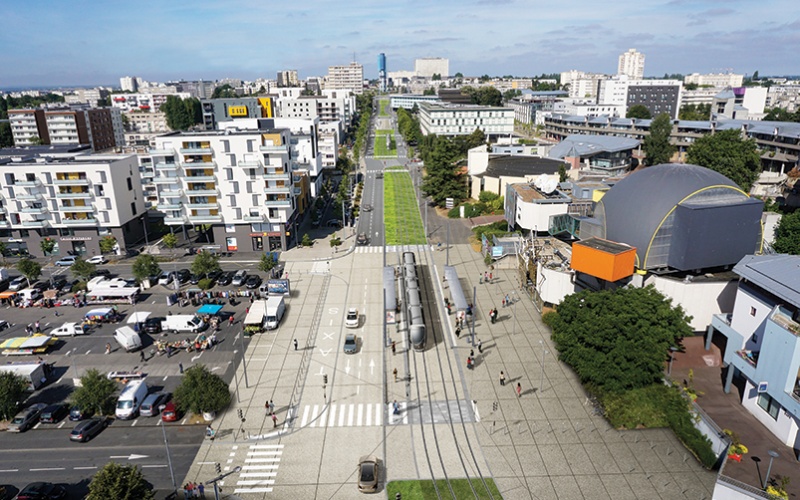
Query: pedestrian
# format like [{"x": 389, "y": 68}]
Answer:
[
  {"x": 180, "y": 367},
  {"x": 108, "y": 348},
  {"x": 493, "y": 315},
  {"x": 504, "y": 302},
  {"x": 202, "y": 491},
  {"x": 186, "y": 492},
  {"x": 395, "y": 407},
  {"x": 274, "y": 420},
  {"x": 141, "y": 357},
  {"x": 458, "y": 331},
  {"x": 394, "y": 372},
  {"x": 490, "y": 278},
  {"x": 508, "y": 300},
  {"x": 231, "y": 320},
  {"x": 486, "y": 276},
  {"x": 271, "y": 406},
  {"x": 472, "y": 353},
  {"x": 394, "y": 347},
  {"x": 502, "y": 378},
  {"x": 295, "y": 344},
  {"x": 38, "y": 327},
  {"x": 519, "y": 390},
  {"x": 266, "y": 407},
  {"x": 480, "y": 346},
  {"x": 480, "y": 279}
]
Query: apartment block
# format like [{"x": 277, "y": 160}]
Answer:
[
  {"x": 631, "y": 64},
  {"x": 217, "y": 111},
  {"x": 718, "y": 80},
  {"x": 240, "y": 182},
  {"x": 658, "y": 96},
  {"x": 288, "y": 78},
  {"x": 129, "y": 83},
  {"x": 75, "y": 199},
  {"x": 429, "y": 66},
  {"x": 143, "y": 102},
  {"x": 28, "y": 127},
  {"x": 350, "y": 77},
  {"x": 99, "y": 127},
  {"x": 453, "y": 119}
]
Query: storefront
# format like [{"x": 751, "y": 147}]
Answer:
[{"x": 269, "y": 241}]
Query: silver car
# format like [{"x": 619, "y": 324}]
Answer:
[
  {"x": 26, "y": 418},
  {"x": 350, "y": 344}
]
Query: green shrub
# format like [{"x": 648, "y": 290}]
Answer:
[
  {"x": 205, "y": 284},
  {"x": 79, "y": 287}
]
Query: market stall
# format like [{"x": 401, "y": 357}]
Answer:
[{"x": 37, "y": 344}]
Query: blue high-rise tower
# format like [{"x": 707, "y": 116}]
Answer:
[{"x": 382, "y": 72}]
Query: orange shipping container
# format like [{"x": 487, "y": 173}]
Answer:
[{"x": 603, "y": 259}]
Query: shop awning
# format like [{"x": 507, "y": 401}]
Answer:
[
  {"x": 138, "y": 317},
  {"x": 210, "y": 309},
  {"x": 7, "y": 295}
]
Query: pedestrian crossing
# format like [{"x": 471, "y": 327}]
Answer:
[
  {"x": 260, "y": 468},
  {"x": 351, "y": 415},
  {"x": 392, "y": 248}
]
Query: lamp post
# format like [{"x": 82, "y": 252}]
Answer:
[
  {"x": 772, "y": 456},
  {"x": 514, "y": 324},
  {"x": 672, "y": 351},
  {"x": 169, "y": 458},
  {"x": 541, "y": 378}
]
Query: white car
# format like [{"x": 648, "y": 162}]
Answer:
[
  {"x": 66, "y": 261},
  {"x": 68, "y": 330},
  {"x": 351, "y": 321},
  {"x": 97, "y": 259},
  {"x": 18, "y": 283}
]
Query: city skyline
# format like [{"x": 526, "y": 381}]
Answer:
[{"x": 96, "y": 43}]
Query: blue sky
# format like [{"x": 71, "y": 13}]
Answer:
[{"x": 82, "y": 42}]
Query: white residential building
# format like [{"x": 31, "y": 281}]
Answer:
[
  {"x": 452, "y": 119},
  {"x": 719, "y": 80},
  {"x": 658, "y": 96},
  {"x": 350, "y": 77},
  {"x": 631, "y": 64},
  {"x": 582, "y": 85},
  {"x": 150, "y": 102},
  {"x": 288, "y": 78},
  {"x": 429, "y": 66},
  {"x": 129, "y": 83},
  {"x": 580, "y": 107},
  {"x": 86, "y": 96}
]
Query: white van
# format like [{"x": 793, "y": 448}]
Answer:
[
  {"x": 130, "y": 399},
  {"x": 31, "y": 294},
  {"x": 275, "y": 309},
  {"x": 68, "y": 330},
  {"x": 128, "y": 339},
  {"x": 190, "y": 323}
]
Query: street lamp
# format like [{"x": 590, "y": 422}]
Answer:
[
  {"x": 541, "y": 378},
  {"x": 772, "y": 455},
  {"x": 672, "y": 351},
  {"x": 169, "y": 458}
]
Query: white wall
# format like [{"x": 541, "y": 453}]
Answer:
[
  {"x": 785, "y": 428},
  {"x": 743, "y": 321},
  {"x": 477, "y": 160},
  {"x": 553, "y": 284},
  {"x": 530, "y": 215},
  {"x": 700, "y": 300}
]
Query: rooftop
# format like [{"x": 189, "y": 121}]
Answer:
[
  {"x": 520, "y": 166},
  {"x": 589, "y": 145},
  {"x": 528, "y": 193},
  {"x": 605, "y": 245},
  {"x": 777, "y": 274},
  {"x": 436, "y": 106}
]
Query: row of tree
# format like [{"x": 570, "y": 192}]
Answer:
[
  {"x": 182, "y": 114},
  {"x": 364, "y": 107}
]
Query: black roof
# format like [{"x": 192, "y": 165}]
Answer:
[{"x": 520, "y": 166}]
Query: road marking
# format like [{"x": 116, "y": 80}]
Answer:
[
  {"x": 324, "y": 352},
  {"x": 369, "y": 415},
  {"x": 256, "y": 483},
  {"x": 37, "y": 425},
  {"x": 253, "y": 490},
  {"x": 351, "y": 415},
  {"x": 258, "y": 453},
  {"x": 314, "y": 414},
  {"x": 153, "y": 466},
  {"x": 62, "y": 424},
  {"x": 46, "y": 469},
  {"x": 165, "y": 378},
  {"x": 305, "y": 417},
  {"x": 197, "y": 357},
  {"x": 378, "y": 413},
  {"x": 332, "y": 414},
  {"x": 259, "y": 467},
  {"x": 9, "y": 470},
  {"x": 133, "y": 424},
  {"x": 258, "y": 474},
  {"x": 184, "y": 420},
  {"x": 129, "y": 457},
  {"x": 347, "y": 368},
  {"x": 371, "y": 366},
  {"x": 259, "y": 460},
  {"x": 327, "y": 336},
  {"x": 360, "y": 414},
  {"x": 342, "y": 415},
  {"x": 84, "y": 468},
  {"x": 266, "y": 446}
]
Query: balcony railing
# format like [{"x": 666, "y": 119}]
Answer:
[
  {"x": 173, "y": 219},
  {"x": 783, "y": 318},
  {"x": 250, "y": 164},
  {"x": 28, "y": 196},
  {"x": 76, "y": 208},
  {"x": 202, "y": 205},
  {"x": 205, "y": 218},
  {"x": 165, "y": 180},
  {"x": 71, "y": 182},
  {"x": 5, "y": 223},
  {"x": 749, "y": 356},
  {"x": 162, "y": 152},
  {"x": 201, "y": 165},
  {"x": 199, "y": 178},
  {"x": 254, "y": 218},
  {"x": 196, "y": 151},
  {"x": 278, "y": 189},
  {"x": 73, "y": 196},
  {"x": 34, "y": 223},
  {"x": 277, "y": 177},
  {"x": 26, "y": 183},
  {"x": 202, "y": 192},
  {"x": 88, "y": 221},
  {"x": 169, "y": 206},
  {"x": 278, "y": 203},
  {"x": 33, "y": 210},
  {"x": 273, "y": 149},
  {"x": 166, "y": 166},
  {"x": 168, "y": 193}
]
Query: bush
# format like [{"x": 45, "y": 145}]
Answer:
[
  {"x": 205, "y": 284},
  {"x": 202, "y": 391}
]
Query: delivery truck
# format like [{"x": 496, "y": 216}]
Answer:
[
  {"x": 176, "y": 323},
  {"x": 276, "y": 307},
  {"x": 34, "y": 373}
]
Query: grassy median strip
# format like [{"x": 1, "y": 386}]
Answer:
[
  {"x": 381, "y": 148},
  {"x": 384, "y": 107},
  {"x": 401, "y": 219},
  {"x": 461, "y": 488}
]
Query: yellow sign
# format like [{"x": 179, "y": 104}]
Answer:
[{"x": 237, "y": 110}]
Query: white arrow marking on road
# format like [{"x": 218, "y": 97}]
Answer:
[
  {"x": 371, "y": 366},
  {"x": 197, "y": 357},
  {"x": 327, "y": 336},
  {"x": 321, "y": 370},
  {"x": 212, "y": 369},
  {"x": 130, "y": 457},
  {"x": 87, "y": 352},
  {"x": 324, "y": 352},
  {"x": 347, "y": 368},
  {"x": 333, "y": 310}
]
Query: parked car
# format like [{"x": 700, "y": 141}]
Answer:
[
  {"x": 351, "y": 321},
  {"x": 18, "y": 283},
  {"x": 54, "y": 413},
  {"x": 362, "y": 239},
  {"x": 68, "y": 330},
  {"x": 3, "y": 324},
  {"x": 239, "y": 278},
  {"x": 253, "y": 281},
  {"x": 379, "y": 176},
  {"x": 131, "y": 252},
  {"x": 368, "y": 474},
  {"x": 350, "y": 344},
  {"x": 166, "y": 278},
  {"x": 225, "y": 278},
  {"x": 67, "y": 287},
  {"x": 334, "y": 223},
  {"x": 153, "y": 325},
  {"x": 41, "y": 286},
  {"x": 66, "y": 261},
  {"x": 58, "y": 283},
  {"x": 214, "y": 276},
  {"x": 75, "y": 414},
  {"x": 151, "y": 404},
  {"x": 183, "y": 275},
  {"x": 195, "y": 279},
  {"x": 42, "y": 491},
  {"x": 366, "y": 207},
  {"x": 26, "y": 418},
  {"x": 170, "y": 412},
  {"x": 97, "y": 259},
  {"x": 88, "y": 429},
  {"x": 100, "y": 272}
]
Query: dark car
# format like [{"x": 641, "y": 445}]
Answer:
[
  {"x": 41, "y": 285},
  {"x": 153, "y": 325},
  {"x": 226, "y": 278},
  {"x": 184, "y": 275},
  {"x": 87, "y": 429},
  {"x": 76, "y": 414},
  {"x": 362, "y": 239},
  {"x": 214, "y": 276},
  {"x": 253, "y": 281},
  {"x": 42, "y": 491},
  {"x": 100, "y": 272},
  {"x": 59, "y": 283},
  {"x": 54, "y": 413},
  {"x": 131, "y": 252},
  {"x": 195, "y": 279},
  {"x": 151, "y": 406},
  {"x": 67, "y": 287}
]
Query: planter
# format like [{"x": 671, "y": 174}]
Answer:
[{"x": 209, "y": 416}]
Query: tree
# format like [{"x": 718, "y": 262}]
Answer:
[
  {"x": 781, "y": 115},
  {"x": 170, "y": 241},
  {"x": 12, "y": 388},
  {"x": 656, "y": 145},
  {"x": 182, "y": 113},
  {"x": 6, "y": 137},
  {"x": 122, "y": 482},
  {"x": 224, "y": 91},
  {"x": 47, "y": 245},
  {"x": 617, "y": 340},
  {"x": 82, "y": 269},
  {"x": 266, "y": 263},
  {"x": 107, "y": 244},
  {"x": 335, "y": 242},
  {"x": 695, "y": 112},
  {"x": 729, "y": 154},
  {"x": 30, "y": 269},
  {"x": 306, "y": 241},
  {"x": 202, "y": 391},
  {"x": 562, "y": 173},
  {"x": 638, "y": 111},
  {"x": 204, "y": 263},
  {"x": 95, "y": 394},
  {"x": 145, "y": 266},
  {"x": 755, "y": 75},
  {"x": 787, "y": 234},
  {"x": 429, "y": 91}
]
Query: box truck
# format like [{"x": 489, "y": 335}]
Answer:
[{"x": 275, "y": 309}]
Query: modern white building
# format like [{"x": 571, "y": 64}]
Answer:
[
  {"x": 75, "y": 200},
  {"x": 718, "y": 80},
  {"x": 658, "y": 96},
  {"x": 350, "y": 77},
  {"x": 129, "y": 83},
  {"x": 408, "y": 101},
  {"x": 578, "y": 107},
  {"x": 100, "y": 127},
  {"x": 148, "y": 102},
  {"x": 86, "y": 96},
  {"x": 240, "y": 182},
  {"x": 288, "y": 78},
  {"x": 453, "y": 119},
  {"x": 582, "y": 85},
  {"x": 631, "y": 64},
  {"x": 429, "y": 66}
]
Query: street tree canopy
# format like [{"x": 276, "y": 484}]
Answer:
[
  {"x": 267, "y": 262},
  {"x": 82, "y": 269},
  {"x": 787, "y": 234},
  {"x": 95, "y": 393},
  {"x": 656, "y": 145},
  {"x": 617, "y": 340},
  {"x": 12, "y": 388},
  {"x": 121, "y": 482},
  {"x": 202, "y": 391},
  {"x": 205, "y": 262},
  {"x": 145, "y": 265},
  {"x": 30, "y": 269},
  {"x": 638, "y": 111},
  {"x": 729, "y": 154}
]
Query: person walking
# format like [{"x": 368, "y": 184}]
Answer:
[
  {"x": 502, "y": 378},
  {"x": 202, "y": 491},
  {"x": 491, "y": 315},
  {"x": 231, "y": 320},
  {"x": 472, "y": 353},
  {"x": 274, "y": 420},
  {"x": 108, "y": 348},
  {"x": 508, "y": 299},
  {"x": 180, "y": 368},
  {"x": 38, "y": 327},
  {"x": 394, "y": 347},
  {"x": 394, "y": 372},
  {"x": 458, "y": 331},
  {"x": 295, "y": 344},
  {"x": 519, "y": 390},
  {"x": 480, "y": 279},
  {"x": 271, "y": 407},
  {"x": 141, "y": 357},
  {"x": 480, "y": 346},
  {"x": 491, "y": 278},
  {"x": 504, "y": 302},
  {"x": 486, "y": 276}
]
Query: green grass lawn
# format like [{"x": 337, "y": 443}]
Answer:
[
  {"x": 425, "y": 489},
  {"x": 401, "y": 218},
  {"x": 384, "y": 107},
  {"x": 380, "y": 144}
]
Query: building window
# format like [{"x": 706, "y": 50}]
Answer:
[
  {"x": 769, "y": 405},
  {"x": 130, "y": 184},
  {"x": 24, "y": 233},
  {"x": 133, "y": 208},
  {"x": 752, "y": 311}
]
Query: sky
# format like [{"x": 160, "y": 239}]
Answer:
[{"x": 91, "y": 42}]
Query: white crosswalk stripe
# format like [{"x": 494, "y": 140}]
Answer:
[
  {"x": 392, "y": 248},
  {"x": 260, "y": 468},
  {"x": 348, "y": 415}
]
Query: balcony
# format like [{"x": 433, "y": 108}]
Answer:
[
  {"x": 85, "y": 221},
  {"x": 72, "y": 196},
  {"x": 71, "y": 182},
  {"x": 161, "y": 179},
  {"x": 202, "y": 205},
  {"x": 277, "y": 177},
  {"x": 783, "y": 318},
  {"x": 196, "y": 151},
  {"x": 5, "y": 223},
  {"x": 278, "y": 189},
  {"x": 199, "y": 165},
  {"x": 162, "y": 152},
  {"x": 203, "y": 219},
  {"x": 254, "y": 218},
  {"x": 200, "y": 178},
  {"x": 250, "y": 164},
  {"x": 27, "y": 183},
  {"x": 33, "y": 210},
  {"x": 76, "y": 208},
  {"x": 202, "y": 192},
  {"x": 273, "y": 149},
  {"x": 28, "y": 196},
  {"x": 35, "y": 223},
  {"x": 166, "y": 166},
  {"x": 751, "y": 357},
  {"x": 169, "y": 206},
  {"x": 173, "y": 220},
  {"x": 279, "y": 203},
  {"x": 169, "y": 193}
]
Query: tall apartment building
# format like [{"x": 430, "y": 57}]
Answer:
[
  {"x": 631, "y": 64},
  {"x": 350, "y": 77},
  {"x": 429, "y": 66},
  {"x": 658, "y": 96},
  {"x": 129, "y": 83},
  {"x": 74, "y": 199},
  {"x": 288, "y": 78},
  {"x": 199, "y": 89},
  {"x": 454, "y": 119},
  {"x": 217, "y": 111},
  {"x": 240, "y": 182},
  {"x": 86, "y": 96},
  {"x": 720, "y": 80},
  {"x": 99, "y": 127},
  {"x": 582, "y": 85},
  {"x": 146, "y": 101}
]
